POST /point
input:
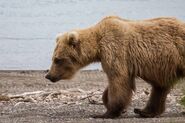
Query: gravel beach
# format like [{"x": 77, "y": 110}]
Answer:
[{"x": 26, "y": 96}]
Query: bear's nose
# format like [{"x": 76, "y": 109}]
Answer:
[
  {"x": 52, "y": 79},
  {"x": 48, "y": 76},
  {"x": 47, "y": 70}
]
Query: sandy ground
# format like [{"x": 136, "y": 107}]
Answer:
[{"x": 26, "y": 96}]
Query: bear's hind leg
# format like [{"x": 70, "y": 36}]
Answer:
[{"x": 156, "y": 103}]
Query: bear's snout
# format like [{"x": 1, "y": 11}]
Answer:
[{"x": 52, "y": 79}]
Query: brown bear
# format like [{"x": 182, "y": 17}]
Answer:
[{"x": 152, "y": 49}]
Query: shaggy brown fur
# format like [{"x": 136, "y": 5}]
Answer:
[{"x": 151, "y": 49}]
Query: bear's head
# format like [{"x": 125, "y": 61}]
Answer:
[{"x": 66, "y": 57}]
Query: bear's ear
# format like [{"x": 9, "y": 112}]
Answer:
[
  {"x": 73, "y": 39},
  {"x": 58, "y": 36}
]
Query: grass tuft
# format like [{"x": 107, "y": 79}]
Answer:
[{"x": 182, "y": 101}]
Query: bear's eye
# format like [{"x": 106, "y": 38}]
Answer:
[
  {"x": 58, "y": 61},
  {"x": 73, "y": 59}
]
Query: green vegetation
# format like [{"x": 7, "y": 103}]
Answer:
[{"x": 183, "y": 101}]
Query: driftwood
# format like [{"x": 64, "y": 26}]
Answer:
[{"x": 70, "y": 96}]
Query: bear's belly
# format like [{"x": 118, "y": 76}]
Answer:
[{"x": 159, "y": 66}]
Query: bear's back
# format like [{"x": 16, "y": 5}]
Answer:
[{"x": 161, "y": 21}]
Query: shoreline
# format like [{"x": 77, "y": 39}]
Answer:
[{"x": 43, "y": 71}]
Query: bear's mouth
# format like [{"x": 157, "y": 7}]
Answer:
[
  {"x": 63, "y": 76},
  {"x": 54, "y": 80}
]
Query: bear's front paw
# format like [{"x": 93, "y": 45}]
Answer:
[{"x": 107, "y": 116}]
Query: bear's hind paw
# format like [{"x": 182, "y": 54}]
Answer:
[{"x": 144, "y": 113}]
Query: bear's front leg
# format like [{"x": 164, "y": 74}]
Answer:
[
  {"x": 105, "y": 97},
  {"x": 116, "y": 98}
]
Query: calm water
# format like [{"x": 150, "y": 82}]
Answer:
[{"x": 28, "y": 27}]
